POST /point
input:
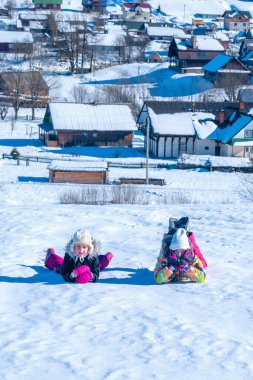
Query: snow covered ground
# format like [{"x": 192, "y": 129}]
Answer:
[{"x": 123, "y": 327}]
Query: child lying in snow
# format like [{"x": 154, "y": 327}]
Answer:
[
  {"x": 179, "y": 262},
  {"x": 81, "y": 262}
]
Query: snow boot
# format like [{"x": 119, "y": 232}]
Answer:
[{"x": 104, "y": 260}]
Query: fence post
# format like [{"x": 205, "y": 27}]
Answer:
[
  {"x": 27, "y": 162},
  {"x": 18, "y": 161}
]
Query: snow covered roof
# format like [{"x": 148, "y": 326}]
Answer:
[
  {"x": 92, "y": 117},
  {"x": 165, "y": 32},
  {"x": 33, "y": 16},
  {"x": 206, "y": 43},
  {"x": 77, "y": 166},
  {"x": 204, "y": 124},
  {"x": 172, "y": 124},
  {"x": 13, "y": 37},
  {"x": 220, "y": 35},
  {"x": 109, "y": 39}
]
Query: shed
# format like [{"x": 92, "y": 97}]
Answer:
[{"x": 91, "y": 172}]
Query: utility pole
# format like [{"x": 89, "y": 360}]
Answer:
[
  {"x": 184, "y": 12},
  {"x": 147, "y": 147}
]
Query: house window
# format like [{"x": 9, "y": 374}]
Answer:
[
  {"x": 235, "y": 23},
  {"x": 206, "y": 147},
  {"x": 94, "y": 135},
  {"x": 248, "y": 133},
  {"x": 84, "y": 136},
  {"x": 202, "y": 54}
]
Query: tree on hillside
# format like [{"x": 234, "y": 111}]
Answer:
[
  {"x": 76, "y": 34},
  {"x": 231, "y": 85},
  {"x": 13, "y": 89},
  {"x": 3, "y": 110},
  {"x": 37, "y": 89},
  {"x": 10, "y": 5}
]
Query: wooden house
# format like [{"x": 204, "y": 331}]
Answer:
[
  {"x": 226, "y": 69},
  {"x": 172, "y": 134},
  {"x": 16, "y": 42},
  {"x": 52, "y": 5},
  {"x": 89, "y": 172},
  {"x": 31, "y": 84},
  {"x": 186, "y": 55},
  {"x": 237, "y": 20},
  {"x": 155, "y": 58},
  {"x": 73, "y": 124}
]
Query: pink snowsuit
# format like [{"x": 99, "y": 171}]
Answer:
[
  {"x": 54, "y": 262},
  {"x": 196, "y": 249}
]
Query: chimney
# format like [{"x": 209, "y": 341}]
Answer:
[
  {"x": 241, "y": 105},
  {"x": 221, "y": 117},
  {"x": 194, "y": 42}
]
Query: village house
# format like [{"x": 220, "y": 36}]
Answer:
[
  {"x": 94, "y": 5},
  {"x": 4, "y": 12},
  {"x": 189, "y": 55},
  {"x": 226, "y": 69},
  {"x": 11, "y": 25},
  {"x": 136, "y": 12},
  {"x": 52, "y": 5},
  {"x": 16, "y": 41},
  {"x": 31, "y": 84},
  {"x": 172, "y": 134},
  {"x": 164, "y": 33},
  {"x": 73, "y": 124},
  {"x": 237, "y": 20},
  {"x": 109, "y": 45}
]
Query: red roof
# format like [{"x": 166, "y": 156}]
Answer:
[{"x": 134, "y": 5}]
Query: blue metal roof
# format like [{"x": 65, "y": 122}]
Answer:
[{"x": 217, "y": 62}]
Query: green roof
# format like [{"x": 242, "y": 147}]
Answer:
[
  {"x": 47, "y": 1},
  {"x": 240, "y": 140},
  {"x": 245, "y": 13}
]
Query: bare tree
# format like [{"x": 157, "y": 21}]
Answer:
[
  {"x": 54, "y": 84},
  {"x": 231, "y": 84},
  {"x": 81, "y": 94},
  {"x": 52, "y": 26},
  {"x": 3, "y": 110},
  {"x": 13, "y": 87},
  {"x": 10, "y": 5},
  {"x": 37, "y": 90},
  {"x": 75, "y": 33}
]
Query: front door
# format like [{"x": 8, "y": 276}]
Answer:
[{"x": 217, "y": 150}]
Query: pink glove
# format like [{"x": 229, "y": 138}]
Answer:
[
  {"x": 85, "y": 277},
  {"x": 82, "y": 270}
]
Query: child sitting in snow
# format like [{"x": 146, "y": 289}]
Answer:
[
  {"x": 180, "y": 258},
  {"x": 81, "y": 262}
]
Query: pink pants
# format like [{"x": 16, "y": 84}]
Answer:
[{"x": 53, "y": 261}]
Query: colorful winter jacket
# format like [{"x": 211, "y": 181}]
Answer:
[
  {"x": 188, "y": 267},
  {"x": 71, "y": 262},
  {"x": 193, "y": 245}
]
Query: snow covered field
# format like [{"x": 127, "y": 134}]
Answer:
[{"x": 123, "y": 327}]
